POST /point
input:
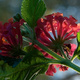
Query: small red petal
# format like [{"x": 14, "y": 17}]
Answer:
[
  {"x": 10, "y": 20},
  {"x": 50, "y": 70}
]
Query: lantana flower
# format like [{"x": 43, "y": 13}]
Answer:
[
  {"x": 10, "y": 38},
  {"x": 52, "y": 67},
  {"x": 54, "y": 31}
]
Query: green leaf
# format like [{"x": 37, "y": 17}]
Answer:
[
  {"x": 77, "y": 51},
  {"x": 78, "y": 37},
  {"x": 7, "y": 71},
  {"x": 34, "y": 56},
  {"x": 78, "y": 57},
  {"x": 34, "y": 63},
  {"x": 32, "y": 10},
  {"x": 17, "y": 17}
]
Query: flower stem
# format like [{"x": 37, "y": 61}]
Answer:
[
  {"x": 73, "y": 58},
  {"x": 74, "y": 55},
  {"x": 68, "y": 63},
  {"x": 62, "y": 52},
  {"x": 52, "y": 61},
  {"x": 65, "y": 62},
  {"x": 60, "y": 60},
  {"x": 48, "y": 50}
]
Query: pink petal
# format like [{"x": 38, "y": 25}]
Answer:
[{"x": 73, "y": 48}]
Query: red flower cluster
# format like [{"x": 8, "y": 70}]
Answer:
[
  {"x": 53, "y": 31},
  {"x": 10, "y": 38},
  {"x": 52, "y": 67},
  {"x": 56, "y": 29}
]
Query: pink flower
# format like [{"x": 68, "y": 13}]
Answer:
[
  {"x": 10, "y": 38},
  {"x": 52, "y": 67},
  {"x": 63, "y": 68},
  {"x": 53, "y": 31},
  {"x": 50, "y": 70}
]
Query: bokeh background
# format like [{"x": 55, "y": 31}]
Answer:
[{"x": 9, "y": 8}]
